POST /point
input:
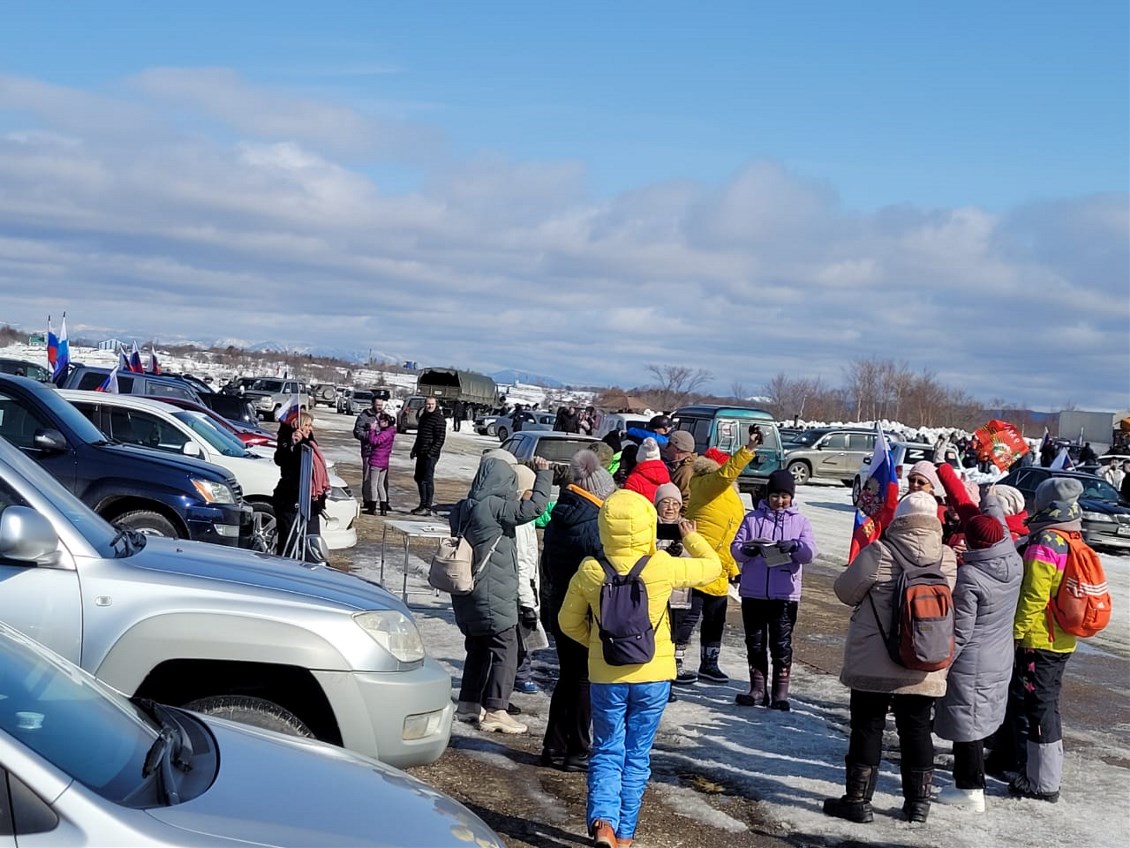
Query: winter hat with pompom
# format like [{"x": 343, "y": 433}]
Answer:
[
  {"x": 590, "y": 475},
  {"x": 983, "y": 531},
  {"x": 917, "y": 503},
  {"x": 649, "y": 450}
]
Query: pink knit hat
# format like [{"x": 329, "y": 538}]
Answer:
[{"x": 926, "y": 469}]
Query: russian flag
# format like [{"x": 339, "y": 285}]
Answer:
[
  {"x": 63, "y": 357},
  {"x": 110, "y": 384},
  {"x": 52, "y": 345},
  {"x": 154, "y": 365},
  {"x": 123, "y": 360},
  {"x": 288, "y": 412},
  {"x": 878, "y": 497},
  {"x": 135, "y": 360}
]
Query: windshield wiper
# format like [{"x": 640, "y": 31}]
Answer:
[{"x": 172, "y": 747}]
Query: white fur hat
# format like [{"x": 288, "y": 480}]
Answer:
[
  {"x": 917, "y": 503},
  {"x": 649, "y": 449}
]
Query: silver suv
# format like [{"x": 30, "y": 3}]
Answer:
[
  {"x": 287, "y": 646},
  {"x": 270, "y": 393},
  {"x": 829, "y": 452}
]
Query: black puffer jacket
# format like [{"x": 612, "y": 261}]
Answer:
[
  {"x": 430, "y": 433},
  {"x": 571, "y": 535},
  {"x": 490, "y": 512}
]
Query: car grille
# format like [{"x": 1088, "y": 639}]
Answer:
[{"x": 236, "y": 490}]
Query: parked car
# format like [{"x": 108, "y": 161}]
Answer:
[
  {"x": 279, "y": 644},
  {"x": 270, "y": 393},
  {"x": 409, "y": 416},
  {"x": 620, "y": 422},
  {"x": 358, "y": 400},
  {"x": 136, "y": 489},
  {"x": 484, "y": 421},
  {"x": 88, "y": 766},
  {"x": 555, "y": 447},
  {"x": 234, "y": 408},
  {"x": 152, "y": 424},
  {"x": 323, "y": 393},
  {"x": 1106, "y": 517},
  {"x": 23, "y": 368},
  {"x": 251, "y": 436},
  {"x": 903, "y": 455},
  {"x": 727, "y": 428},
  {"x": 828, "y": 452},
  {"x": 90, "y": 377},
  {"x": 536, "y": 419}
]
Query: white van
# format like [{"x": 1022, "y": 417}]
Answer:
[{"x": 619, "y": 421}]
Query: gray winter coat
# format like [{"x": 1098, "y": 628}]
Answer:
[
  {"x": 491, "y": 511},
  {"x": 988, "y": 585}
]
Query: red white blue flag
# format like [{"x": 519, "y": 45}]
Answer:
[
  {"x": 52, "y": 345},
  {"x": 878, "y": 497},
  {"x": 288, "y": 412},
  {"x": 135, "y": 361},
  {"x": 154, "y": 365},
  {"x": 110, "y": 384},
  {"x": 63, "y": 356}
]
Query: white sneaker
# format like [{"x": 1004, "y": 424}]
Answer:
[
  {"x": 469, "y": 711},
  {"x": 501, "y": 721},
  {"x": 963, "y": 799}
]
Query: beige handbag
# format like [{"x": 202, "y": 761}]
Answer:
[{"x": 453, "y": 567}]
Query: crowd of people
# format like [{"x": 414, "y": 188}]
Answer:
[{"x": 643, "y": 509}]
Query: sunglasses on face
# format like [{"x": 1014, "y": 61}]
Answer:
[{"x": 918, "y": 481}]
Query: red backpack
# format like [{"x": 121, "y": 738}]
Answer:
[{"x": 1082, "y": 604}]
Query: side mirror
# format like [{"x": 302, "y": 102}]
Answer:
[
  {"x": 191, "y": 449},
  {"x": 316, "y": 549},
  {"x": 49, "y": 440},
  {"x": 26, "y": 536}
]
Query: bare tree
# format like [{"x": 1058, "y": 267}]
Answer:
[{"x": 676, "y": 385}]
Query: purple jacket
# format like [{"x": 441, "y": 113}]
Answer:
[
  {"x": 380, "y": 442},
  {"x": 781, "y": 582}
]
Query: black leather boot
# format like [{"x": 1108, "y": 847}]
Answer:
[
  {"x": 916, "y": 785},
  {"x": 758, "y": 695},
  {"x": 384, "y": 507},
  {"x": 859, "y": 789},
  {"x": 780, "y": 699}
]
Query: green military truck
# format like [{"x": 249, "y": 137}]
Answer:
[{"x": 477, "y": 392}]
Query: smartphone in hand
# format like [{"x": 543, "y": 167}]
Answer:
[{"x": 755, "y": 434}]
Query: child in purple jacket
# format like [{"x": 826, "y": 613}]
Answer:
[
  {"x": 380, "y": 439},
  {"x": 772, "y": 544}
]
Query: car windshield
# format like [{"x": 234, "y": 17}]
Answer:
[
  {"x": 80, "y": 726},
  {"x": 272, "y": 386},
  {"x": 559, "y": 450},
  {"x": 805, "y": 437},
  {"x": 221, "y": 440},
  {"x": 365, "y": 396},
  {"x": 1099, "y": 490}
]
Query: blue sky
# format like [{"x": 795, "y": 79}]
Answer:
[{"x": 880, "y": 128}]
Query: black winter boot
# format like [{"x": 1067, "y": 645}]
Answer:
[
  {"x": 708, "y": 666},
  {"x": 369, "y": 508},
  {"x": 758, "y": 695},
  {"x": 855, "y": 805},
  {"x": 916, "y": 790},
  {"x": 384, "y": 508},
  {"x": 683, "y": 675},
  {"x": 780, "y": 699}
]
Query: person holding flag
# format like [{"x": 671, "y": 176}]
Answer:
[{"x": 878, "y": 497}]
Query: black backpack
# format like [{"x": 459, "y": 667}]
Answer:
[{"x": 626, "y": 633}]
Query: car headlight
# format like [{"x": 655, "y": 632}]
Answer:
[
  {"x": 393, "y": 631},
  {"x": 1098, "y": 516},
  {"x": 213, "y": 492},
  {"x": 340, "y": 493}
]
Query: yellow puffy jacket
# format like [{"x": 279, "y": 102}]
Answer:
[
  {"x": 717, "y": 510},
  {"x": 627, "y": 530}
]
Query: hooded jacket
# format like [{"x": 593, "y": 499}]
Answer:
[
  {"x": 717, "y": 510},
  {"x": 781, "y": 582},
  {"x": 490, "y": 512},
  {"x": 911, "y": 542},
  {"x": 571, "y": 536},
  {"x": 984, "y": 599},
  {"x": 380, "y": 446},
  {"x": 627, "y": 531},
  {"x": 646, "y": 477},
  {"x": 1045, "y": 557}
]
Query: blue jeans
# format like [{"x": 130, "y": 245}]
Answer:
[{"x": 625, "y": 717}]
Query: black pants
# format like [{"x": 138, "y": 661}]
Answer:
[
  {"x": 774, "y": 619},
  {"x": 969, "y": 764},
  {"x": 1042, "y": 674},
  {"x": 425, "y": 478},
  {"x": 569, "y": 728},
  {"x": 488, "y": 673},
  {"x": 712, "y": 610},
  {"x": 912, "y": 720}
]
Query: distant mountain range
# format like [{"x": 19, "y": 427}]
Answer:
[{"x": 510, "y": 376}]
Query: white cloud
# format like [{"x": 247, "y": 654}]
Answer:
[{"x": 233, "y": 210}]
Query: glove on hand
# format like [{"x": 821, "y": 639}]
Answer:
[
  {"x": 788, "y": 546},
  {"x": 751, "y": 549},
  {"x": 529, "y": 617}
]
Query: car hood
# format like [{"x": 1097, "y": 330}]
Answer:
[
  {"x": 1105, "y": 507},
  {"x": 239, "y": 567},
  {"x": 177, "y": 462},
  {"x": 278, "y": 790}
]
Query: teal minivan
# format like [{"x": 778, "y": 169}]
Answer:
[{"x": 727, "y": 428}]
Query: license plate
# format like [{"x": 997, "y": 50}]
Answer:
[{"x": 1122, "y": 531}]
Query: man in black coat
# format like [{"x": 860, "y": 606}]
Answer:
[{"x": 430, "y": 433}]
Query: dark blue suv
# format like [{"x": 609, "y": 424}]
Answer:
[{"x": 131, "y": 487}]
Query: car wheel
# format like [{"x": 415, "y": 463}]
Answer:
[
  {"x": 502, "y": 434},
  {"x": 148, "y": 522},
  {"x": 847, "y": 483},
  {"x": 256, "y": 712},
  {"x": 264, "y": 528},
  {"x": 856, "y": 491},
  {"x": 801, "y": 472}
]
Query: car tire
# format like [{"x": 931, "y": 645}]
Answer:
[
  {"x": 848, "y": 483},
  {"x": 502, "y": 434},
  {"x": 256, "y": 712},
  {"x": 801, "y": 472},
  {"x": 264, "y": 528},
  {"x": 148, "y": 522}
]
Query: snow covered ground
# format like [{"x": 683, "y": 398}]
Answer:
[{"x": 791, "y": 761}]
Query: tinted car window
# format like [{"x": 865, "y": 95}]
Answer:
[
  {"x": 1099, "y": 490},
  {"x": 558, "y": 450},
  {"x": 91, "y": 380},
  {"x": 835, "y": 441},
  {"x": 18, "y": 423},
  {"x": 272, "y": 386},
  {"x": 861, "y": 441},
  {"x": 166, "y": 390}
]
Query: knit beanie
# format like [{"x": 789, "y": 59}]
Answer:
[
  {"x": 917, "y": 503},
  {"x": 649, "y": 450},
  {"x": 681, "y": 440},
  {"x": 1064, "y": 490},
  {"x": 526, "y": 477},
  {"x": 1011, "y": 499},
  {"x": 983, "y": 531},
  {"x": 781, "y": 481},
  {"x": 926, "y": 469},
  {"x": 668, "y": 490},
  {"x": 590, "y": 475},
  {"x": 603, "y": 452}
]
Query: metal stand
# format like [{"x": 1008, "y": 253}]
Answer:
[{"x": 295, "y": 546}]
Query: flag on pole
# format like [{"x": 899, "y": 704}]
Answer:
[
  {"x": 110, "y": 384},
  {"x": 878, "y": 497},
  {"x": 63, "y": 358},
  {"x": 154, "y": 365},
  {"x": 52, "y": 345},
  {"x": 135, "y": 360},
  {"x": 288, "y": 412}
]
